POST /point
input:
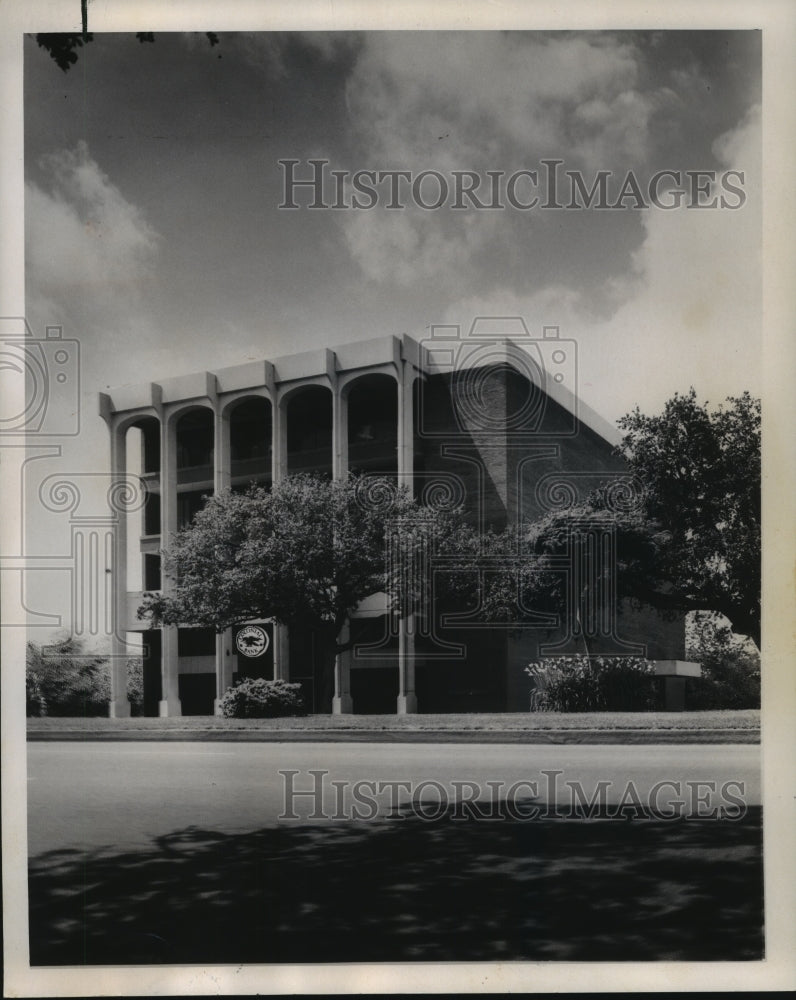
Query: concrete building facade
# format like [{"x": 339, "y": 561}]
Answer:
[{"x": 491, "y": 421}]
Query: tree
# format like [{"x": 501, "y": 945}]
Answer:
[
  {"x": 63, "y": 679},
  {"x": 63, "y": 47},
  {"x": 730, "y": 664},
  {"x": 700, "y": 473},
  {"x": 689, "y": 537},
  {"x": 303, "y": 554}
]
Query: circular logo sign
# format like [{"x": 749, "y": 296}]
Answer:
[{"x": 252, "y": 640}]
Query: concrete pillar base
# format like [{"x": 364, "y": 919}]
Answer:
[
  {"x": 169, "y": 708},
  {"x": 119, "y": 709},
  {"x": 674, "y": 694},
  {"x": 217, "y": 707},
  {"x": 343, "y": 705},
  {"x": 407, "y": 704}
]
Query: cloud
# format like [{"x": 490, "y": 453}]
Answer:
[
  {"x": 690, "y": 313},
  {"x": 480, "y": 101},
  {"x": 526, "y": 89},
  {"x": 695, "y": 315},
  {"x": 85, "y": 242}
]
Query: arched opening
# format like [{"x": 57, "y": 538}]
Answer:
[
  {"x": 142, "y": 439},
  {"x": 373, "y": 425},
  {"x": 309, "y": 431},
  {"x": 194, "y": 433},
  {"x": 143, "y": 451},
  {"x": 250, "y": 434}
]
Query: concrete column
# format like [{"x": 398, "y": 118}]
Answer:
[
  {"x": 170, "y": 697},
  {"x": 278, "y": 472},
  {"x": 406, "y": 442},
  {"x": 407, "y": 699},
  {"x": 339, "y": 434},
  {"x": 281, "y": 653},
  {"x": 278, "y": 440},
  {"x": 342, "y": 703},
  {"x": 224, "y": 663},
  {"x": 119, "y": 705},
  {"x": 222, "y": 462},
  {"x": 169, "y": 673},
  {"x": 674, "y": 694},
  {"x": 222, "y": 477}
]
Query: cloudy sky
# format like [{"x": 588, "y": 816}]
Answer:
[{"x": 153, "y": 233}]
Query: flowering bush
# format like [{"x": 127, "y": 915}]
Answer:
[
  {"x": 261, "y": 699},
  {"x": 593, "y": 684}
]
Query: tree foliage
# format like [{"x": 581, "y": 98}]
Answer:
[
  {"x": 730, "y": 665},
  {"x": 303, "y": 554},
  {"x": 700, "y": 473},
  {"x": 65, "y": 679},
  {"x": 687, "y": 532},
  {"x": 64, "y": 47}
]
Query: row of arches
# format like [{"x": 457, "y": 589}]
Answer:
[{"x": 371, "y": 412}]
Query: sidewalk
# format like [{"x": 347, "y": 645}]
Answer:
[{"x": 542, "y": 727}]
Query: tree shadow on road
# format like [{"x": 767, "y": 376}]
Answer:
[{"x": 407, "y": 889}]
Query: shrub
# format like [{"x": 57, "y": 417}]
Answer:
[
  {"x": 730, "y": 665},
  {"x": 261, "y": 699},
  {"x": 63, "y": 680},
  {"x": 35, "y": 704},
  {"x": 135, "y": 685},
  {"x": 593, "y": 684}
]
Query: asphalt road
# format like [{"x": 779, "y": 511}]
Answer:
[
  {"x": 83, "y": 796},
  {"x": 162, "y": 853}
]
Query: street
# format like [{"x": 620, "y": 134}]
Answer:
[
  {"x": 185, "y": 852},
  {"x": 90, "y": 795}
]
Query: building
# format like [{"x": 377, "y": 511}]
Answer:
[{"x": 491, "y": 418}]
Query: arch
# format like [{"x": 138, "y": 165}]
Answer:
[
  {"x": 194, "y": 430},
  {"x": 372, "y": 403},
  {"x": 122, "y": 424},
  {"x": 250, "y": 420},
  {"x": 149, "y": 426},
  {"x": 309, "y": 429},
  {"x": 229, "y": 401}
]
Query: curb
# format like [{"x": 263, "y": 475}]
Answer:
[{"x": 570, "y": 736}]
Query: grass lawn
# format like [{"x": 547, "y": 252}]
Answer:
[{"x": 747, "y": 719}]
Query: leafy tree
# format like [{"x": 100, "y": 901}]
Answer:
[
  {"x": 730, "y": 664},
  {"x": 700, "y": 472},
  {"x": 63, "y": 679},
  {"x": 63, "y": 47},
  {"x": 690, "y": 537},
  {"x": 303, "y": 554}
]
